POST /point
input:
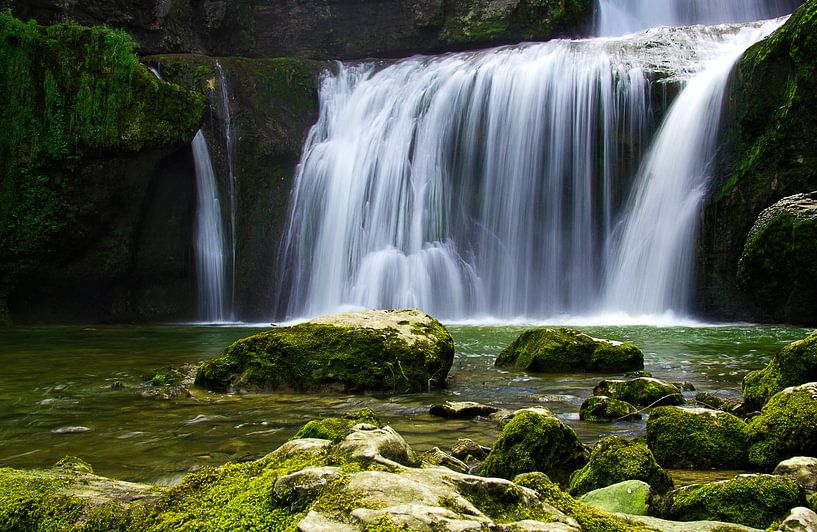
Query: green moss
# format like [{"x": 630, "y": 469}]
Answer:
[
  {"x": 166, "y": 377},
  {"x": 560, "y": 350},
  {"x": 750, "y": 500},
  {"x": 616, "y": 459},
  {"x": 337, "y": 428},
  {"x": 786, "y": 427},
  {"x": 67, "y": 91},
  {"x": 534, "y": 442},
  {"x": 313, "y": 356},
  {"x": 590, "y": 519},
  {"x": 795, "y": 364},
  {"x": 641, "y": 391},
  {"x": 686, "y": 439},
  {"x": 600, "y": 408},
  {"x": 505, "y": 506}
]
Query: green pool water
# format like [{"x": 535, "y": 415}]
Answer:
[{"x": 72, "y": 390}]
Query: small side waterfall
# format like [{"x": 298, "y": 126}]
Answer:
[
  {"x": 619, "y": 17},
  {"x": 232, "y": 179},
  {"x": 209, "y": 237}
]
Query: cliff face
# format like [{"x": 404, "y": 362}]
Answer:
[
  {"x": 93, "y": 141},
  {"x": 319, "y": 29},
  {"x": 769, "y": 152}
]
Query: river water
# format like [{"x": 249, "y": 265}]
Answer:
[{"x": 71, "y": 390}]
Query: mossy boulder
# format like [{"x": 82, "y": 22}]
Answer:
[
  {"x": 616, "y": 459},
  {"x": 628, "y": 497},
  {"x": 535, "y": 442},
  {"x": 387, "y": 351},
  {"x": 336, "y": 429},
  {"x": 641, "y": 391},
  {"x": 751, "y": 500},
  {"x": 603, "y": 408},
  {"x": 691, "y": 438},
  {"x": 795, "y": 364},
  {"x": 786, "y": 427},
  {"x": 565, "y": 350},
  {"x": 778, "y": 267}
]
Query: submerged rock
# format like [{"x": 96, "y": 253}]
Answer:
[
  {"x": 628, "y": 497},
  {"x": 786, "y": 427},
  {"x": 641, "y": 391},
  {"x": 535, "y": 442},
  {"x": 603, "y": 408},
  {"x": 563, "y": 350},
  {"x": 751, "y": 500},
  {"x": 793, "y": 365},
  {"x": 388, "y": 351},
  {"x": 617, "y": 459},
  {"x": 801, "y": 469},
  {"x": 690, "y": 438},
  {"x": 461, "y": 410}
]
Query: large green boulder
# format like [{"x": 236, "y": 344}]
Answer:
[
  {"x": 535, "y": 442},
  {"x": 778, "y": 267},
  {"x": 690, "y": 438},
  {"x": 795, "y": 364},
  {"x": 641, "y": 391},
  {"x": 616, "y": 459},
  {"x": 387, "y": 351},
  {"x": 786, "y": 427},
  {"x": 751, "y": 500},
  {"x": 565, "y": 350}
]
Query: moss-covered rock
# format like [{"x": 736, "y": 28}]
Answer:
[
  {"x": 603, "y": 408},
  {"x": 795, "y": 364},
  {"x": 690, "y": 438},
  {"x": 641, "y": 391},
  {"x": 778, "y": 267},
  {"x": 767, "y": 153},
  {"x": 389, "y": 351},
  {"x": 336, "y": 429},
  {"x": 563, "y": 350},
  {"x": 751, "y": 500},
  {"x": 70, "y": 497},
  {"x": 535, "y": 442},
  {"x": 628, "y": 497},
  {"x": 786, "y": 427},
  {"x": 461, "y": 409},
  {"x": 616, "y": 459},
  {"x": 88, "y": 129}
]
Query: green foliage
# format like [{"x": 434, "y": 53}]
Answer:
[
  {"x": 751, "y": 500},
  {"x": 686, "y": 439},
  {"x": 558, "y": 350},
  {"x": 337, "y": 428},
  {"x": 793, "y": 365},
  {"x": 66, "y": 91},
  {"x": 616, "y": 459},
  {"x": 534, "y": 442}
]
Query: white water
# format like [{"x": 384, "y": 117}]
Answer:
[
  {"x": 488, "y": 185},
  {"x": 619, "y": 17},
  {"x": 209, "y": 237},
  {"x": 232, "y": 179}
]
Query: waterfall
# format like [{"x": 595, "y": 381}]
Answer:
[
  {"x": 619, "y": 17},
  {"x": 209, "y": 237},
  {"x": 651, "y": 270},
  {"x": 232, "y": 179},
  {"x": 483, "y": 183}
]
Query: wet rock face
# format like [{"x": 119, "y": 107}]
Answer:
[
  {"x": 778, "y": 268},
  {"x": 321, "y": 28}
]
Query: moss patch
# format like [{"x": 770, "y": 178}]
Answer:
[
  {"x": 795, "y": 364},
  {"x": 337, "y": 428},
  {"x": 616, "y": 459}
]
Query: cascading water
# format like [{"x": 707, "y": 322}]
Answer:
[
  {"x": 209, "y": 237},
  {"x": 619, "y": 17},
  {"x": 232, "y": 179}
]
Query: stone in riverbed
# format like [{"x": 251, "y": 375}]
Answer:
[
  {"x": 793, "y": 365},
  {"x": 801, "y": 469},
  {"x": 786, "y": 427},
  {"x": 461, "y": 410},
  {"x": 387, "y": 351},
  {"x": 465, "y": 448},
  {"x": 617, "y": 459},
  {"x": 800, "y": 519},
  {"x": 628, "y": 497},
  {"x": 642, "y": 391},
  {"x": 692, "y": 438},
  {"x": 565, "y": 350},
  {"x": 535, "y": 442},
  {"x": 603, "y": 408},
  {"x": 437, "y": 457}
]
